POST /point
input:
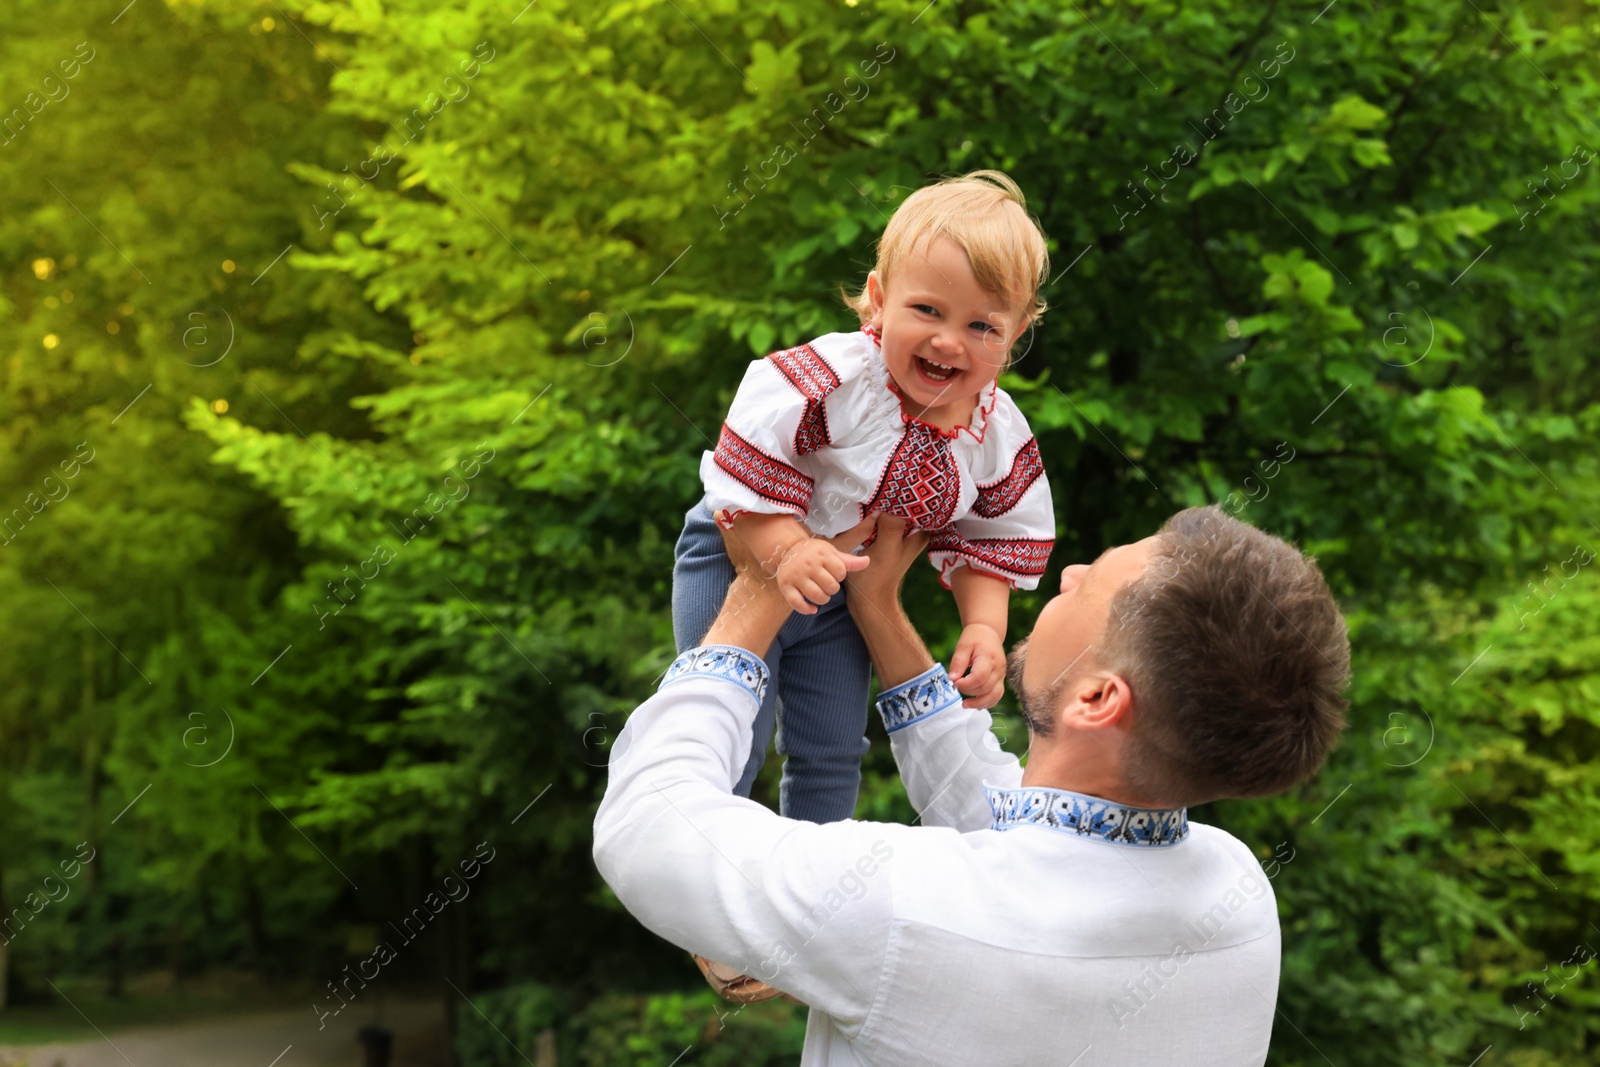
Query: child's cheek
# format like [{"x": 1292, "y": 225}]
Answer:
[{"x": 994, "y": 361}]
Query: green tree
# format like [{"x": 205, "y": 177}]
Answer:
[{"x": 495, "y": 273}]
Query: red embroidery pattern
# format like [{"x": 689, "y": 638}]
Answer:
[
  {"x": 1001, "y": 496},
  {"x": 921, "y": 482},
  {"x": 1018, "y": 557},
  {"x": 813, "y": 379},
  {"x": 812, "y": 433},
  {"x": 767, "y": 476},
  {"x": 807, "y": 371}
]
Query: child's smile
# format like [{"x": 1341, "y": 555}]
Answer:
[
  {"x": 938, "y": 373},
  {"x": 945, "y": 338}
]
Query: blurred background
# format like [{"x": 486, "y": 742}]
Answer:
[{"x": 357, "y": 362}]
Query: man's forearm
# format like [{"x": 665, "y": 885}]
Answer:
[
  {"x": 945, "y": 752},
  {"x": 898, "y": 654},
  {"x": 751, "y": 616}
]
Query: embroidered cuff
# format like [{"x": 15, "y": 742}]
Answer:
[
  {"x": 736, "y": 665},
  {"x": 909, "y": 702}
]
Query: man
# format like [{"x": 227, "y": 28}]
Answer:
[{"x": 1063, "y": 913}]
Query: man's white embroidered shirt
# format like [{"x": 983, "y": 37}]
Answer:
[{"x": 1014, "y": 927}]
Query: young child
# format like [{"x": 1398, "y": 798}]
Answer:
[{"x": 902, "y": 418}]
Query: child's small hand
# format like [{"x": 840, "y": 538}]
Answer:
[
  {"x": 978, "y": 667},
  {"x": 811, "y": 572}
]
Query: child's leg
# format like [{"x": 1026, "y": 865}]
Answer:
[
  {"x": 701, "y": 575},
  {"x": 822, "y": 727}
]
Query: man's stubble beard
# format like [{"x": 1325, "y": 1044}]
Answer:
[{"x": 1038, "y": 710}]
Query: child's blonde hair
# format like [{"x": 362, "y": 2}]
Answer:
[{"x": 986, "y": 215}]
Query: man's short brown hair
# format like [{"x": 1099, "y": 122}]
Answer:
[{"x": 1237, "y": 657}]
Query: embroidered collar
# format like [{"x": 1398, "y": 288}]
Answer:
[
  {"x": 1085, "y": 816},
  {"x": 977, "y": 424}
]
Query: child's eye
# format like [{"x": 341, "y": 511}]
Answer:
[
  {"x": 924, "y": 308},
  {"x": 982, "y": 327}
]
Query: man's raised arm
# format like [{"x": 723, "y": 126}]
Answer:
[
  {"x": 946, "y": 752},
  {"x": 793, "y": 904}
]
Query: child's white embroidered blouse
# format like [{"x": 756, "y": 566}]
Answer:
[{"x": 817, "y": 431}]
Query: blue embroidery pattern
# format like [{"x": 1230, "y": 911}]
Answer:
[
  {"x": 928, "y": 692},
  {"x": 736, "y": 665},
  {"x": 1086, "y": 816}
]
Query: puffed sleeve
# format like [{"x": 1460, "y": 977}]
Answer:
[
  {"x": 1010, "y": 527},
  {"x": 778, "y": 417}
]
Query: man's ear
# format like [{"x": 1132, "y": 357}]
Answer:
[{"x": 1098, "y": 700}]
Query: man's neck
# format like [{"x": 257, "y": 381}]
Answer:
[{"x": 1089, "y": 773}]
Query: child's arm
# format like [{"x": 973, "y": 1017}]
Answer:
[
  {"x": 809, "y": 569},
  {"x": 978, "y": 667}
]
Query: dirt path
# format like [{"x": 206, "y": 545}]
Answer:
[{"x": 267, "y": 1039}]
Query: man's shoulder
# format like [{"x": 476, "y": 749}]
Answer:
[
  {"x": 1123, "y": 899},
  {"x": 1235, "y": 868},
  {"x": 1215, "y": 837}
]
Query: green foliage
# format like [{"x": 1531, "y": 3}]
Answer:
[{"x": 486, "y": 278}]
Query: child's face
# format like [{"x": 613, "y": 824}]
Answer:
[{"x": 944, "y": 338}]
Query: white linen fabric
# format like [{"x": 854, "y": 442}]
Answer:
[
  {"x": 817, "y": 432},
  {"x": 1016, "y": 927}
]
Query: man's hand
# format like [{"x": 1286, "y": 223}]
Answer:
[
  {"x": 812, "y": 571},
  {"x": 892, "y": 554},
  {"x": 978, "y": 667}
]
